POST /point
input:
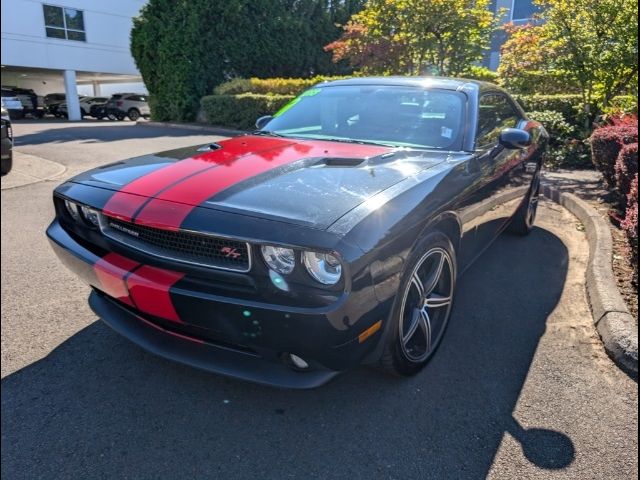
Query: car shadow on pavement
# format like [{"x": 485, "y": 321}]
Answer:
[
  {"x": 99, "y": 407},
  {"x": 100, "y": 132}
]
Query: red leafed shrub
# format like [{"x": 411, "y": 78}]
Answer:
[
  {"x": 630, "y": 227},
  {"x": 623, "y": 119},
  {"x": 626, "y": 168},
  {"x": 606, "y": 143}
]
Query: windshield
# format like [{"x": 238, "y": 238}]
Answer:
[{"x": 395, "y": 116}]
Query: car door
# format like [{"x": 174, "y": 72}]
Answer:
[{"x": 496, "y": 171}]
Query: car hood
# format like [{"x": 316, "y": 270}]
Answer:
[{"x": 304, "y": 182}]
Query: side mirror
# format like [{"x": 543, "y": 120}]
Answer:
[
  {"x": 262, "y": 121},
  {"x": 515, "y": 138}
]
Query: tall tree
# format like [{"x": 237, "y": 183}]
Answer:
[
  {"x": 184, "y": 48},
  {"x": 411, "y": 36},
  {"x": 595, "y": 42}
]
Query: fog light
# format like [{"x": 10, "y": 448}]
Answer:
[{"x": 298, "y": 362}]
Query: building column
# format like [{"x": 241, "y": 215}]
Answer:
[
  {"x": 96, "y": 88},
  {"x": 71, "y": 92}
]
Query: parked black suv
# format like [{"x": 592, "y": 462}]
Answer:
[{"x": 52, "y": 103}]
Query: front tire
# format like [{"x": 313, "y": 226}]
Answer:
[
  {"x": 422, "y": 307},
  {"x": 5, "y": 165}
]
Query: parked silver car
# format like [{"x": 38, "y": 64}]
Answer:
[{"x": 132, "y": 105}]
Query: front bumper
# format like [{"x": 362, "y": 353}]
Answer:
[{"x": 225, "y": 335}]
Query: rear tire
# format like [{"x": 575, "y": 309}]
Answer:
[
  {"x": 422, "y": 308},
  {"x": 133, "y": 114},
  {"x": 524, "y": 219}
]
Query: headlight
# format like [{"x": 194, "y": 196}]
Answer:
[
  {"x": 324, "y": 267},
  {"x": 90, "y": 215},
  {"x": 279, "y": 259},
  {"x": 72, "y": 208}
]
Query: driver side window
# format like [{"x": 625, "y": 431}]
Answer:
[{"x": 495, "y": 114}]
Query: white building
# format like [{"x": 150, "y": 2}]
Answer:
[{"x": 69, "y": 45}]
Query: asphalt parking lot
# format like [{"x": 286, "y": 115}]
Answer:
[{"x": 520, "y": 388}]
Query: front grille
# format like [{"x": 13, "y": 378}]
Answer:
[{"x": 182, "y": 246}]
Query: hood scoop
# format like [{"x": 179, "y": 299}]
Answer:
[
  {"x": 211, "y": 147},
  {"x": 343, "y": 161}
]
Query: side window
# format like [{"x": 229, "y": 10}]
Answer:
[{"x": 496, "y": 113}]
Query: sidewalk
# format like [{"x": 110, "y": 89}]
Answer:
[{"x": 28, "y": 169}]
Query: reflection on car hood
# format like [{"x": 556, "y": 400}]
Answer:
[{"x": 304, "y": 182}]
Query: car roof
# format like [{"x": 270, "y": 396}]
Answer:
[{"x": 447, "y": 83}]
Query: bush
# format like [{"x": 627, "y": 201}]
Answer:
[
  {"x": 532, "y": 82},
  {"x": 266, "y": 86},
  {"x": 241, "y": 111},
  {"x": 482, "y": 74},
  {"x": 630, "y": 227},
  {"x": 555, "y": 123},
  {"x": 623, "y": 105},
  {"x": 564, "y": 149},
  {"x": 626, "y": 168},
  {"x": 569, "y": 105},
  {"x": 606, "y": 143}
]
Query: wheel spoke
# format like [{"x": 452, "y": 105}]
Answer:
[
  {"x": 417, "y": 283},
  {"x": 438, "y": 301},
  {"x": 425, "y": 326},
  {"x": 431, "y": 284},
  {"x": 415, "y": 323}
]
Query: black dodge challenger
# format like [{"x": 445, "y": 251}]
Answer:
[{"x": 330, "y": 237}]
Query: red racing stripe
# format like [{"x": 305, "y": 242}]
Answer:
[
  {"x": 130, "y": 198},
  {"x": 169, "y": 209},
  {"x": 126, "y": 202},
  {"x": 111, "y": 270},
  {"x": 149, "y": 289}
]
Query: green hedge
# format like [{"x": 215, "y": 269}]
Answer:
[
  {"x": 570, "y": 106},
  {"x": 270, "y": 86},
  {"x": 295, "y": 86},
  {"x": 241, "y": 111},
  {"x": 531, "y": 82}
]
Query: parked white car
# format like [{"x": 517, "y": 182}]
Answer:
[
  {"x": 12, "y": 103},
  {"x": 132, "y": 105}
]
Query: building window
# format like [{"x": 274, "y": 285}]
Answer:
[
  {"x": 64, "y": 23},
  {"x": 523, "y": 11}
]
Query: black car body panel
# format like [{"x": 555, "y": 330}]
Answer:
[
  {"x": 7, "y": 146},
  {"x": 368, "y": 205}
]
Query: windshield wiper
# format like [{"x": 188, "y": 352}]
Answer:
[{"x": 360, "y": 142}]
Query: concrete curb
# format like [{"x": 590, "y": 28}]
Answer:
[
  {"x": 226, "y": 132},
  {"x": 611, "y": 316}
]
